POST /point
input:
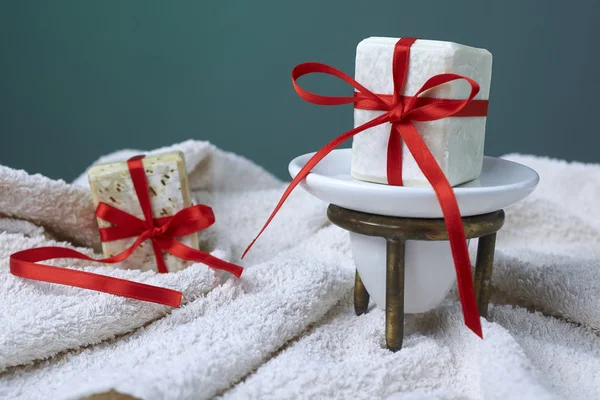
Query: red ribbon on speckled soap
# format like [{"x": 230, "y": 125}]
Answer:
[
  {"x": 401, "y": 111},
  {"x": 162, "y": 232}
]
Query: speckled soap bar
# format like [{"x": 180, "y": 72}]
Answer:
[
  {"x": 456, "y": 143},
  {"x": 169, "y": 193}
]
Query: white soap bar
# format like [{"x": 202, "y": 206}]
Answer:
[
  {"x": 169, "y": 193},
  {"x": 455, "y": 142}
]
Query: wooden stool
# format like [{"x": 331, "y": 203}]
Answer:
[{"x": 396, "y": 232}]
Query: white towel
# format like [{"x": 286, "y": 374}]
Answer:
[{"x": 287, "y": 329}]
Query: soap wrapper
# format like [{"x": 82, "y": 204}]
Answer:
[
  {"x": 456, "y": 143},
  {"x": 169, "y": 193}
]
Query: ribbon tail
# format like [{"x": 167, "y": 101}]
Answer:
[
  {"x": 180, "y": 250},
  {"x": 311, "y": 163},
  {"x": 453, "y": 219},
  {"x": 394, "y": 159},
  {"x": 161, "y": 266},
  {"x": 24, "y": 264}
]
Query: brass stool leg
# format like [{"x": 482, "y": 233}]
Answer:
[
  {"x": 483, "y": 272},
  {"x": 361, "y": 296},
  {"x": 394, "y": 296}
]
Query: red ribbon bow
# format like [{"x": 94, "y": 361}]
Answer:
[
  {"x": 401, "y": 111},
  {"x": 161, "y": 231}
]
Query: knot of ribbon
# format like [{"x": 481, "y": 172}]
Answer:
[
  {"x": 162, "y": 232},
  {"x": 400, "y": 112},
  {"x": 397, "y": 112},
  {"x": 156, "y": 232}
]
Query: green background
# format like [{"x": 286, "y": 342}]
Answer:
[{"x": 79, "y": 79}]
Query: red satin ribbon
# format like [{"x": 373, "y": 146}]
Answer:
[
  {"x": 401, "y": 111},
  {"x": 161, "y": 231}
]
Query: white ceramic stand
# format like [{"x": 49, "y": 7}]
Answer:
[{"x": 429, "y": 270}]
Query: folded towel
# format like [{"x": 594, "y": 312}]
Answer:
[{"x": 287, "y": 329}]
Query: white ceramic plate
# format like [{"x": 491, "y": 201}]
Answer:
[{"x": 502, "y": 183}]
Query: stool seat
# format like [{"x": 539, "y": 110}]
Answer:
[{"x": 412, "y": 228}]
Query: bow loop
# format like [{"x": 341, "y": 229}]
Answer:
[
  {"x": 124, "y": 225},
  {"x": 313, "y": 67},
  {"x": 434, "y": 110},
  {"x": 190, "y": 220}
]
